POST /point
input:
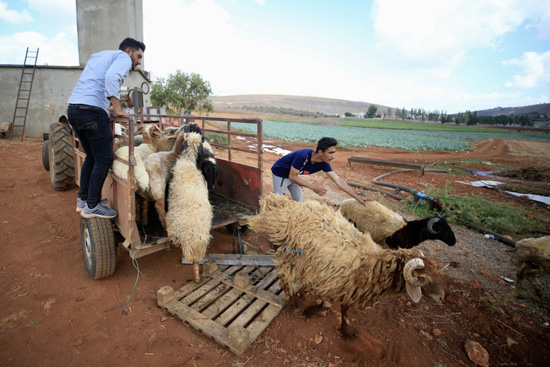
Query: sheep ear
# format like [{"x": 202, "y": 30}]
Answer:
[{"x": 414, "y": 292}]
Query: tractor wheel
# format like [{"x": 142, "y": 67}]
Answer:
[
  {"x": 46, "y": 154},
  {"x": 61, "y": 156},
  {"x": 98, "y": 246}
]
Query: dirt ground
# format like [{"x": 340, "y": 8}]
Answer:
[{"x": 53, "y": 314}]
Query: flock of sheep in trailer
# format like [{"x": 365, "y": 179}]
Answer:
[
  {"x": 351, "y": 254},
  {"x": 186, "y": 168}
]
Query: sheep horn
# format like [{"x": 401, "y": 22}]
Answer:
[
  {"x": 410, "y": 266},
  {"x": 431, "y": 223}
]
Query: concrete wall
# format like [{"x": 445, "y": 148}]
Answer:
[
  {"x": 103, "y": 24},
  {"x": 50, "y": 92}
]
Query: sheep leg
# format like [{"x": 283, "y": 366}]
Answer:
[
  {"x": 519, "y": 280},
  {"x": 313, "y": 310},
  {"x": 347, "y": 332},
  {"x": 144, "y": 212},
  {"x": 531, "y": 276},
  {"x": 159, "y": 206},
  {"x": 196, "y": 271}
]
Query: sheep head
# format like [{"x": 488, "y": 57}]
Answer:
[
  {"x": 151, "y": 131},
  {"x": 439, "y": 229},
  {"x": 421, "y": 276},
  {"x": 207, "y": 165}
]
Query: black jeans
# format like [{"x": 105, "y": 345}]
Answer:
[{"x": 93, "y": 127}]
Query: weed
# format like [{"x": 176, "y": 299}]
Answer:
[{"x": 495, "y": 216}]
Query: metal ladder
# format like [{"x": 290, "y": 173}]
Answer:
[{"x": 24, "y": 93}]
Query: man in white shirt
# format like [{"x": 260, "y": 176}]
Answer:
[{"x": 88, "y": 112}]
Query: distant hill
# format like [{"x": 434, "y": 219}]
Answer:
[
  {"x": 542, "y": 108},
  {"x": 331, "y": 106},
  {"x": 326, "y": 106}
]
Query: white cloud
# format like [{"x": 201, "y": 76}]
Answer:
[
  {"x": 13, "y": 16},
  {"x": 543, "y": 26},
  {"x": 59, "y": 50},
  {"x": 436, "y": 34},
  {"x": 536, "y": 70},
  {"x": 260, "y": 2},
  {"x": 54, "y": 9}
]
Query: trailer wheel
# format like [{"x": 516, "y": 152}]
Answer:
[
  {"x": 98, "y": 246},
  {"x": 46, "y": 154},
  {"x": 61, "y": 156}
]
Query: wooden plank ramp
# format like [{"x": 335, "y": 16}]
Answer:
[{"x": 232, "y": 303}]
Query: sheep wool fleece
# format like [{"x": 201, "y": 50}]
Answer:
[
  {"x": 373, "y": 218},
  {"x": 189, "y": 218},
  {"x": 319, "y": 250}
]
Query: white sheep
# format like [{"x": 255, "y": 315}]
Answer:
[
  {"x": 390, "y": 229},
  {"x": 189, "y": 217},
  {"x": 151, "y": 133},
  {"x": 320, "y": 251},
  {"x": 159, "y": 169},
  {"x": 532, "y": 256}
]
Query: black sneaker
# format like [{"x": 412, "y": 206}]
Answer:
[{"x": 100, "y": 211}]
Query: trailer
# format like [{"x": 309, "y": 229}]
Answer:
[{"x": 235, "y": 195}]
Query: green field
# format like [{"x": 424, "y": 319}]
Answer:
[
  {"x": 393, "y": 134},
  {"x": 402, "y": 125}
]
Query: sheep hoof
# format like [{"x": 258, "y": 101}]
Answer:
[
  {"x": 312, "y": 311},
  {"x": 348, "y": 333}
]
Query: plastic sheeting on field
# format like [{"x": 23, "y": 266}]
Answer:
[{"x": 493, "y": 184}]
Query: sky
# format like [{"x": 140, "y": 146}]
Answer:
[{"x": 446, "y": 55}]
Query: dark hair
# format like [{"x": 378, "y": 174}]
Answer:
[
  {"x": 132, "y": 43},
  {"x": 324, "y": 143}
]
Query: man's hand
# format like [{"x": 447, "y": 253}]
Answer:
[
  {"x": 117, "y": 110},
  {"x": 361, "y": 199},
  {"x": 119, "y": 113},
  {"x": 318, "y": 189}
]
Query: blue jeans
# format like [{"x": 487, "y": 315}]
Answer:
[{"x": 93, "y": 127}]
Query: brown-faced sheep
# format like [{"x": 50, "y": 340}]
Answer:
[
  {"x": 189, "y": 217},
  {"x": 159, "y": 168},
  {"x": 389, "y": 229},
  {"x": 532, "y": 256},
  {"x": 318, "y": 250},
  {"x": 151, "y": 133}
]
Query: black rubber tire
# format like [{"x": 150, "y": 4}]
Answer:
[
  {"x": 98, "y": 246},
  {"x": 61, "y": 156},
  {"x": 46, "y": 154}
]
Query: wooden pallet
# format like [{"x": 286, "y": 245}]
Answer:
[{"x": 232, "y": 304}]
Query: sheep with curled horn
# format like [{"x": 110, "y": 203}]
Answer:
[
  {"x": 318, "y": 250},
  {"x": 390, "y": 229}
]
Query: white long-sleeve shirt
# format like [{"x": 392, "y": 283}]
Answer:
[{"x": 102, "y": 77}]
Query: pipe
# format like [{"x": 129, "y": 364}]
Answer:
[
  {"x": 400, "y": 198},
  {"x": 499, "y": 237},
  {"x": 417, "y": 194}
]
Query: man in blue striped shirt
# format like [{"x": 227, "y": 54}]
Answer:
[{"x": 88, "y": 112}]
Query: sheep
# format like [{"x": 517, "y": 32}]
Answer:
[
  {"x": 391, "y": 230},
  {"x": 205, "y": 161},
  {"x": 159, "y": 169},
  {"x": 320, "y": 251},
  {"x": 532, "y": 256},
  {"x": 189, "y": 217},
  {"x": 151, "y": 133},
  {"x": 167, "y": 141}
]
